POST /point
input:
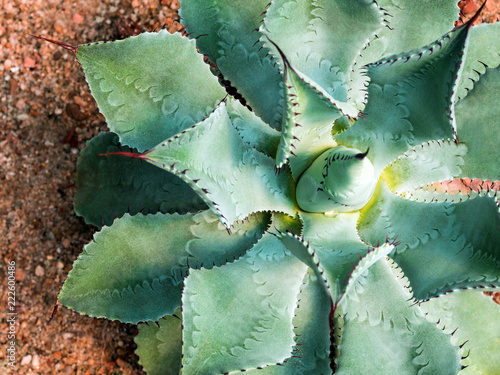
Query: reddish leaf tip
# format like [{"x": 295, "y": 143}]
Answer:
[
  {"x": 128, "y": 154},
  {"x": 69, "y": 47}
]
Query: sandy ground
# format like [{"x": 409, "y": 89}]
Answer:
[{"x": 46, "y": 116}]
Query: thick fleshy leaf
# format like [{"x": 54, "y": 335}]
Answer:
[
  {"x": 472, "y": 319},
  {"x": 252, "y": 129},
  {"x": 307, "y": 127},
  {"x": 109, "y": 187},
  {"x": 311, "y": 34},
  {"x": 384, "y": 334},
  {"x": 133, "y": 270},
  {"x": 312, "y": 334},
  {"x": 225, "y": 31},
  {"x": 336, "y": 243},
  {"x": 313, "y": 330},
  {"x": 159, "y": 346},
  {"x": 298, "y": 247},
  {"x": 414, "y": 23},
  {"x": 432, "y": 161},
  {"x": 456, "y": 190},
  {"x": 409, "y": 24},
  {"x": 443, "y": 246},
  {"x": 225, "y": 170},
  {"x": 257, "y": 295},
  {"x": 149, "y": 87},
  {"x": 478, "y": 127},
  {"x": 483, "y": 50},
  {"x": 410, "y": 100}
]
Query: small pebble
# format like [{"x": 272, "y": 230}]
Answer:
[
  {"x": 26, "y": 360},
  {"x": 121, "y": 363},
  {"x": 20, "y": 274},
  {"x": 39, "y": 271},
  {"x": 66, "y": 243},
  {"x": 78, "y": 18},
  {"x": 36, "y": 362},
  {"x": 7, "y": 64},
  {"x": 20, "y": 104},
  {"x": 29, "y": 62}
]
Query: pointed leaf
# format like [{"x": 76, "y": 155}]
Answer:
[
  {"x": 257, "y": 294},
  {"x": 298, "y": 247},
  {"x": 133, "y": 270},
  {"x": 432, "y": 161},
  {"x": 159, "y": 346},
  {"x": 252, "y": 129},
  {"x": 149, "y": 87},
  {"x": 483, "y": 49},
  {"x": 478, "y": 127},
  {"x": 360, "y": 270},
  {"x": 456, "y": 190},
  {"x": 410, "y": 100},
  {"x": 414, "y": 23},
  {"x": 378, "y": 315},
  {"x": 107, "y": 188},
  {"x": 443, "y": 246},
  {"x": 311, "y": 33},
  {"x": 409, "y": 24},
  {"x": 472, "y": 318},
  {"x": 225, "y": 31},
  {"x": 307, "y": 127},
  {"x": 225, "y": 170},
  {"x": 312, "y": 334},
  {"x": 336, "y": 243},
  {"x": 313, "y": 330}
]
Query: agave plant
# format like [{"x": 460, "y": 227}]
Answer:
[{"x": 320, "y": 198}]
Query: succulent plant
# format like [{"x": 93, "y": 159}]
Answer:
[{"x": 321, "y": 197}]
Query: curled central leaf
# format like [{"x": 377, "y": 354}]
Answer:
[{"x": 340, "y": 179}]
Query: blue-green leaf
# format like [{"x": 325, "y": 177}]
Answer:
[
  {"x": 307, "y": 125},
  {"x": 430, "y": 162},
  {"x": 133, "y": 270},
  {"x": 483, "y": 51},
  {"x": 159, "y": 345},
  {"x": 384, "y": 333},
  {"x": 408, "y": 24},
  {"x": 225, "y": 31},
  {"x": 472, "y": 320},
  {"x": 107, "y": 188},
  {"x": 149, "y": 87},
  {"x": 225, "y": 170},
  {"x": 239, "y": 316},
  {"x": 311, "y": 34},
  {"x": 252, "y": 129},
  {"x": 410, "y": 100},
  {"x": 478, "y": 127},
  {"x": 443, "y": 246}
]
